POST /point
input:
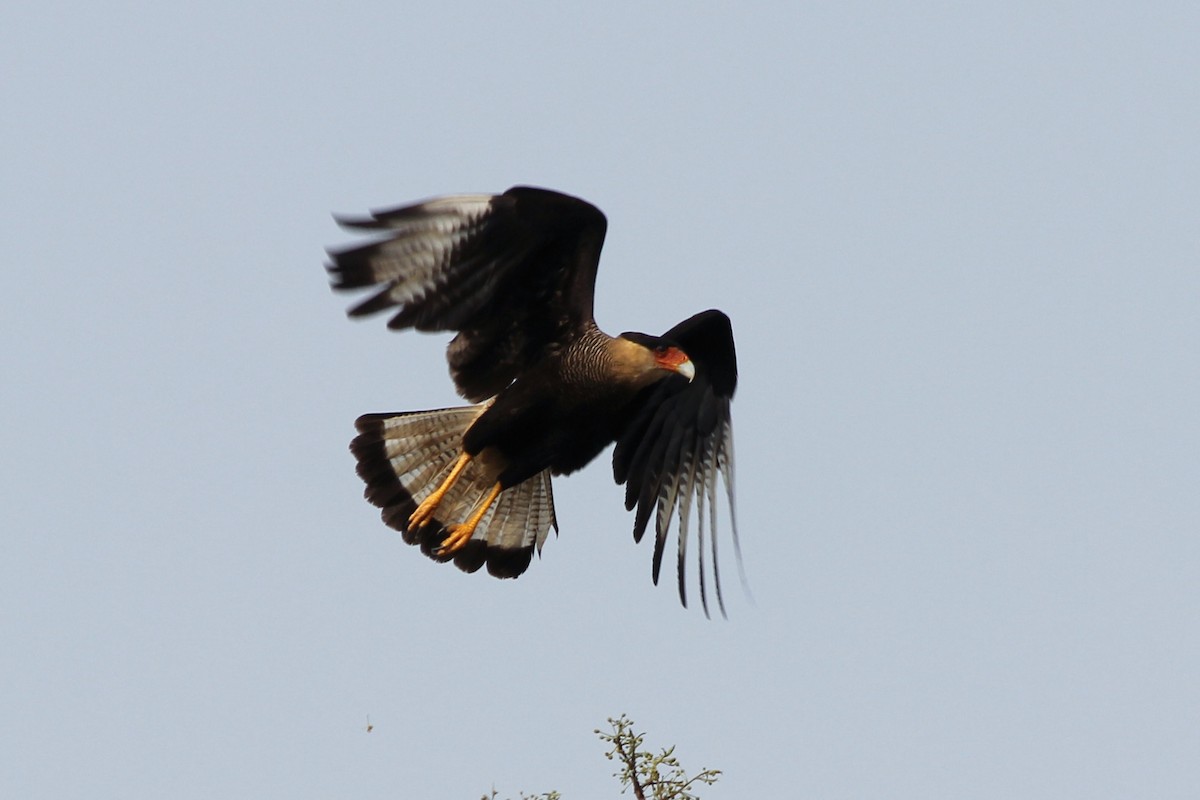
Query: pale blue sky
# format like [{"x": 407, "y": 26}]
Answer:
[{"x": 959, "y": 245}]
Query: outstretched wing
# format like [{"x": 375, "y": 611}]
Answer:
[
  {"x": 513, "y": 273},
  {"x": 679, "y": 445}
]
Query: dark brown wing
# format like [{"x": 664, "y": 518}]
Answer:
[
  {"x": 679, "y": 445},
  {"x": 513, "y": 273}
]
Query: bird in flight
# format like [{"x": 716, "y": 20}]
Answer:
[{"x": 513, "y": 275}]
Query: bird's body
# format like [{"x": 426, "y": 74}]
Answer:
[
  {"x": 564, "y": 430},
  {"x": 514, "y": 274}
]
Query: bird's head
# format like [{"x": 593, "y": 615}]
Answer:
[{"x": 649, "y": 358}]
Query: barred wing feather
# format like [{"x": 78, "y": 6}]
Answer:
[{"x": 513, "y": 273}]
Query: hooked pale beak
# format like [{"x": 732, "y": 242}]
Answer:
[{"x": 676, "y": 360}]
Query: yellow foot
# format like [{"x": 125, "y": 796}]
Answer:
[
  {"x": 456, "y": 539},
  {"x": 424, "y": 513}
]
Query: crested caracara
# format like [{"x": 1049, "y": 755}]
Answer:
[{"x": 513, "y": 275}]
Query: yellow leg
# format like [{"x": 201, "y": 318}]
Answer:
[
  {"x": 459, "y": 535},
  {"x": 425, "y": 511}
]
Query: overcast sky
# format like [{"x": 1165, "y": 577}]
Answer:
[{"x": 960, "y": 245}]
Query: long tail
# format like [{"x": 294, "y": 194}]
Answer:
[{"x": 403, "y": 457}]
